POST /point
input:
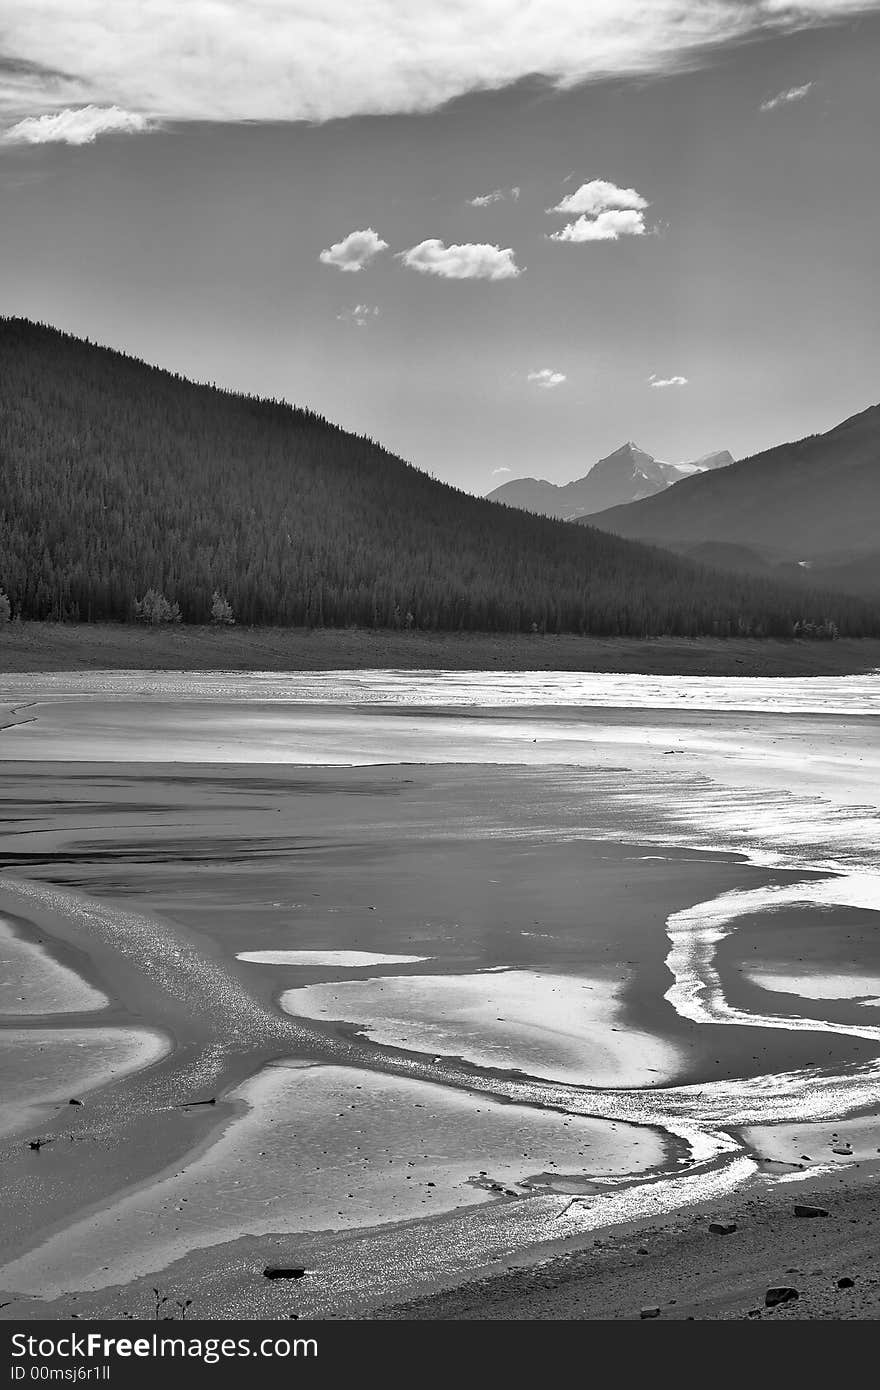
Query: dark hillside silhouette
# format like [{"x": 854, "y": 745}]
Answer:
[{"x": 117, "y": 478}]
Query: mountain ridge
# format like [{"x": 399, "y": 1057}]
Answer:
[
  {"x": 117, "y": 477},
  {"x": 628, "y": 474},
  {"x": 812, "y": 503}
]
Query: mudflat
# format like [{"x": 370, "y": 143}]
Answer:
[{"x": 570, "y": 966}]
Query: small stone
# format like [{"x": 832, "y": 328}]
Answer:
[
  {"x": 781, "y": 1294},
  {"x": 74, "y": 1102},
  {"x": 845, "y": 1149},
  {"x": 642, "y": 1250},
  {"x": 845, "y": 1282},
  {"x": 804, "y": 1209},
  {"x": 722, "y": 1228},
  {"x": 652, "y": 1312},
  {"x": 283, "y": 1272}
]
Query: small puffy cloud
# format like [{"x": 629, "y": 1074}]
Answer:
[
  {"x": 784, "y": 98},
  {"x": 470, "y": 261},
  {"x": 76, "y": 126},
  {"x": 597, "y": 196},
  {"x": 661, "y": 381},
  {"x": 547, "y": 378},
  {"x": 602, "y": 212},
  {"x": 496, "y": 472},
  {"x": 354, "y": 251},
  {"x": 608, "y": 226},
  {"x": 360, "y": 315},
  {"x": 498, "y": 195}
]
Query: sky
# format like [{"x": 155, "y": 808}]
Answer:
[{"x": 499, "y": 236}]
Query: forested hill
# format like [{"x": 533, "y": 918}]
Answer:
[{"x": 116, "y": 477}]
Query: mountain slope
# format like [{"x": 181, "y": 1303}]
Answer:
[
  {"x": 116, "y": 477},
  {"x": 627, "y": 475},
  {"x": 798, "y": 502}
]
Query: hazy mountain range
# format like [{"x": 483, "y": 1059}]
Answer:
[
  {"x": 627, "y": 475},
  {"x": 810, "y": 508}
]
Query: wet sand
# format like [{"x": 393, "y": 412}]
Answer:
[
  {"x": 587, "y": 864},
  {"x": 33, "y": 982}
]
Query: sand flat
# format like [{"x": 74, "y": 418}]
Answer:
[
  {"x": 33, "y": 982},
  {"x": 42, "y": 1066},
  {"x": 346, "y": 960},
  {"x": 817, "y": 984},
  {"x": 330, "y": 1149},
  {"x": 563, "y": 1027}
]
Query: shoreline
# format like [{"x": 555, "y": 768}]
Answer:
[
  {"x": 59, "y": 647},
  {"x": 677, "y": 1265}
]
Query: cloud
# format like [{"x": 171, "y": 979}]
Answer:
[
  {"x": 598, "y": 196},
  {"x": 360, "y": 315},
  {"x": 472, "y": 261},
  {"x": 608, "y": 226},
  {"x": 547, "y": 378},
  {"x": 783, "y": 98},
  {"x": 317, "y": 60},
  {"x": 606, "y": 213},
  {"x": 354, "y": 251},
  {"x": 661, "y": 381},
  {"x": 76, "y": 126},
  {"x": 498, "y": 195},
  {"x": 497, "y": 471}
]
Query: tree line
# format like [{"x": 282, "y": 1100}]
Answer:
[{"x": 118, "y": 479}]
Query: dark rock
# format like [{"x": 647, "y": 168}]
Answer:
[
  {"x": 652, "y": 1312},
  {"x": 803, "y": 1209},
  {"x": 74, "y": 1102},
  {"x": 283, "y": 1272},
  {"x": 845, "y": 1282},
  {"x": 782, "y": 1294},
  {"x": 722, "y": 1228},
  {"x": 642, "y": 1250}
]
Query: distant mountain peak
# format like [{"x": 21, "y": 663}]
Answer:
[
  {"x": 817, "y": 497},
  {"x": 628, "y": 474}
]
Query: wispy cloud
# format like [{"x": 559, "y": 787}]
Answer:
[
  {"x": 497, "y": 471},
  {"x": 661, "y": 381},
  {"x": 784, "y": 98},
  {"x": 606, "y": 213},
  {"x": 547, "y": 378},
  {"x": 470, "y": 261},
  {"x": 354, "y": 251},
  {"x": 76, "y": 126},
  {"x": 360, "y": 315},
  {"x": 317, "y": 60},
  {"x": 498, "y": 195}
]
